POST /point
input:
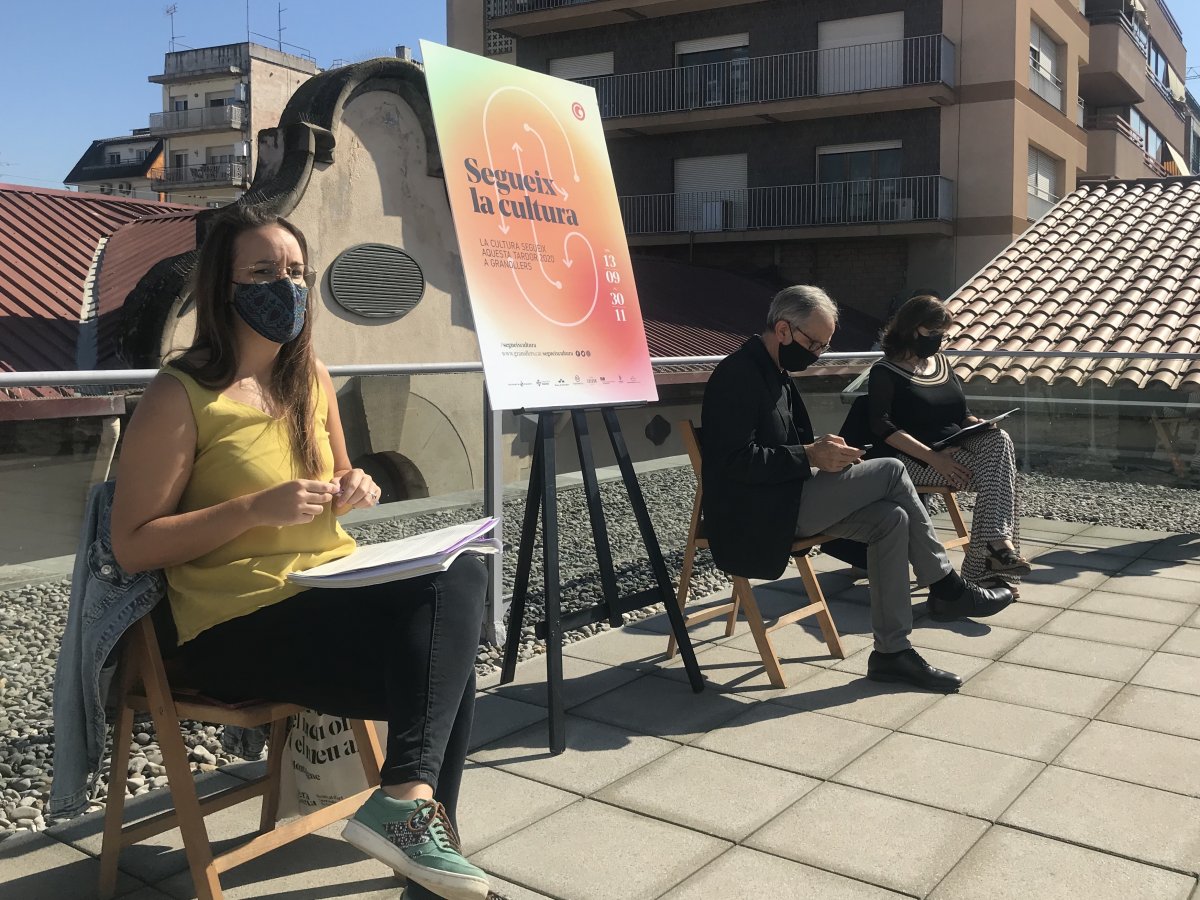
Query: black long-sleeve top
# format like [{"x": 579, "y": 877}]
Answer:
[{"x": 930, "y": 406}]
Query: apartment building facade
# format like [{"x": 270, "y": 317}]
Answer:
[
  {"x": 215, "y": 100},
  {"x": 873, "y": 146}
]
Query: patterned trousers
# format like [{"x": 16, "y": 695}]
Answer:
[{"x": 993, "y": 464}]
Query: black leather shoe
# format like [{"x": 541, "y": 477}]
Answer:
[
  {"x": 968, "y": 601},
  {"x": 909, "y": 667}
]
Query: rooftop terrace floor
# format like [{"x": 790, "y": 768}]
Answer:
[{"x": 1067, "y": 767}]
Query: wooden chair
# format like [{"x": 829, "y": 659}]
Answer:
[
  {"x": 1167, "y": 438},
  {"x": 956, "y": 517},
  {"x": 143, "y": 687},
  {"x": 743, "y": 595}
]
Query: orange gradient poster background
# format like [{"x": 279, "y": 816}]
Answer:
[{"x": 543, "y": 246}]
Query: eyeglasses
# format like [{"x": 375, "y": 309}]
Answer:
[
  {"x": 264, "y": 273},
  {"x": 814, "y": 345}
]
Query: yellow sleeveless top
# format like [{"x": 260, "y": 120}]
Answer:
[{"x": 241, "y": 450}]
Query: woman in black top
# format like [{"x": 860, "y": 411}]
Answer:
[{"x": 916, "y": 400}]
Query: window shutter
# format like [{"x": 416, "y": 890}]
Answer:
[
  {"x": 590, "y": 66},
  {"x": 703, "y": 45}
]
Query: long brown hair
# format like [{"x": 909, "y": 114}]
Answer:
[
  {"x": 212, "y": 357},
  {"x": 899, "y": 336}
]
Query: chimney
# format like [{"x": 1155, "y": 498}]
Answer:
[{"x": 404, "y": 53}]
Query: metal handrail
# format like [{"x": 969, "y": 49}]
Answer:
[
  {"x": 497, "y": 9},
  {"x": 230, "y": 114},
  {"x": 203, "y": 173},
  {"x": 883, "y": 65},
  {"x": 867, "y": 201}
]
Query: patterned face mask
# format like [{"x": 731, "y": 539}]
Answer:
[{"x": 274, "y": 309}]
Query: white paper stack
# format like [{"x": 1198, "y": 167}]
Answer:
[{"x": 410, "y": 557}]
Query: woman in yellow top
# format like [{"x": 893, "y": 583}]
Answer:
[{"x": 232, "y": 474}]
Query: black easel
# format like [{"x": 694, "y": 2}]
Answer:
[{"x": 542, "y": 496}]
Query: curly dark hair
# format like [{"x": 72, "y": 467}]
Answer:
[{"x": 898, "y": 338}]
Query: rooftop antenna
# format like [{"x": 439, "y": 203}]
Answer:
[
  {"x": 247, "y": 21},
  {"x": 279, "y": 23},
  {"x": 170, "y": 11}
]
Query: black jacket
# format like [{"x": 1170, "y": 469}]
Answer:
[{"x": 754, "y": 462}]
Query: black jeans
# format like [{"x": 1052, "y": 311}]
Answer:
[{"x": 402, "y": 652}]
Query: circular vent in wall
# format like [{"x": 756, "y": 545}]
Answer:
[{"x": 376, "y": 281}]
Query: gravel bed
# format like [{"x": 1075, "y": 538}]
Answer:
[{"x": 32, "y": 617}]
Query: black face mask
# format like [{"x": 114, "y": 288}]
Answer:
[
  {"x": 794, "y": 358},
  {"x": 926, "y": 345}
]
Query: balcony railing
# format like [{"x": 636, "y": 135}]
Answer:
[
  {"x": 1046, "y": 85},
  {"x": 786, "y": 76},
  {"x": 874, "y": 201},
  {"x": 1139, "y": 36},
  {"x": 1080, "y": 112},
  {"x": 1112, "y": 122},
  {"x": 225, "y": 118},
  {"x": 234, "y": 174}
]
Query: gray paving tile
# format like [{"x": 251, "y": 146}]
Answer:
[
  {"x": 708, "y": 792},
  {"x": 1109, "y": 629},
  {"x": 629, "y": 647},
  {"x": 1179, "y": 571},
  {"x": 161, "y": 856},
  {"x": 1003, "y": 727},
  {"x": 968, "y": 637},
  {"x": 797, "y": 644},
  {"x": 494, "y": 804},
  {"x": 963, "y": 666},
  {"x": 664, "y": 707},
  {"x": 741, "y": 672},
  {"x": 1150, "y": 609},
  {"x": 1066, "y": 654},
  {"x": 1013, "y": 865},
  {"x": 1148, "y": 825},
  {"x": 497, "y": 716},
  {"x": 1083, "y": 559},
  {"x": 596, "y": 755},
  {"x": 1154, "y": 586},
  {"x": 1062, "y": 575},
  {"x": 741, "y": 869},
  {"x": 1023, "y": 615},
  {"x": 850, "y": 696},
  {"x": 804, "y": 742},
  {"x": 623, "y": 849},
  {"x": 1184, "y": 642},
  {"x": 304, "y": 868},
  {"x": 1171, "y": 672},
  {"x": 1035, "y": 595},
  {"x": 37, "y": 867},
  {"x": 510, "y": 891},
  {"x": 1151, "y": 758},
  {"x": 1055, "y": 526},
  {"x": 1194, "y": 621},
  {"x": 881, "y": 840},
  {"x": 1155, "y": 710},
  {"x": 1180, "y": 548},
  {"x": 961, "y": 779},
  {"x": 712, "y": 630},
  {"x": 1116, "y": 532},
  {"x": 582, "y": 680},
  {"x": 1076, "y": 695},
  {"x": 1131, "y": 548}
]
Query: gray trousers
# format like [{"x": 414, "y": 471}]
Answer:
[{"x": 875, "y": 503}]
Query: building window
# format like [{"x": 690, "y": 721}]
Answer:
[
  {"x": 1045, "y": 67},
  {"x": 862, "y": 183},
  {"x": 865, "y": 53},
  {"x": 178, "y": 104},
  {"x": 573, "y": 68},
  {"x": 114, "y": 159},
  {"x": 715, "y": 71},
  {"x": 106, "y": 188},
  {"x": 710, "y": 193},
  {"x": 1045, "y": 183}
]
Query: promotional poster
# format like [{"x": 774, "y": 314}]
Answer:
[{"x": 540, "y": 232}]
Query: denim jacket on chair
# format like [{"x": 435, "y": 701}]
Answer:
[{"x": 105, "y": 601}]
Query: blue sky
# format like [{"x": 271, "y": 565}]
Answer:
[{"x": 75, "y": 70}]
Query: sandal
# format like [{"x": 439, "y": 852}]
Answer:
[{"x": 1003, "y": 560}]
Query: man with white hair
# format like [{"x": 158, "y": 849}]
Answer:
[{"x": 768, "y": 480}]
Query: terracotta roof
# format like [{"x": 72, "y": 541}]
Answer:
[
  {"x": 1113, "y": 267},
  {"x": 48, "y": 242}
]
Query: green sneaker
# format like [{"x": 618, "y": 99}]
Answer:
[{"x": 415, "y": 838}]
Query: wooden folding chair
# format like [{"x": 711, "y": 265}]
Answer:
[
  {"x": 743, "y": 595},
  {"x": 143, "y": 687},
  {"x": 1167, "y": 437},
  {"x": 956, "y": 516}
]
